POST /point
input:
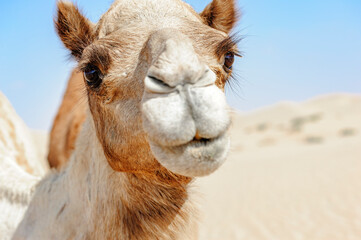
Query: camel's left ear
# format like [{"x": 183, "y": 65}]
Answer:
[
  {"x": 74, "y": 30},
  {"x": 221, "y": 15}
]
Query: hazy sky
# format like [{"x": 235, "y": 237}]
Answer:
[{"x": 293, "y": 50}]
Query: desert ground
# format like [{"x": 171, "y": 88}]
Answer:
[{"x": 293, "y": 173}]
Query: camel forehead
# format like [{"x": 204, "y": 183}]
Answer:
[{"x": 145, "y": 15}]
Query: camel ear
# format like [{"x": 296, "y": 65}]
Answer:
[
  {"x": 220, "y": 14},
  {"x": 74, "y": 30}
]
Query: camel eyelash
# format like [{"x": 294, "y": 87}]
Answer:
[{"x": 229, "y": 45}]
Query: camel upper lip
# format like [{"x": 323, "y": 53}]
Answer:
[{"x": 203, "y": 142}]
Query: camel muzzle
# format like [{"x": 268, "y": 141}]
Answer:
[{"x": 185, "y": 115}]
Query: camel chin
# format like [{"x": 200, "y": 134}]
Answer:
[{"x": 196, "y": 158}]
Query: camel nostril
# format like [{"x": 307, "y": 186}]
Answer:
[
  {"x": 157, "y": 80},
  {"x": 155, "y": 85}
]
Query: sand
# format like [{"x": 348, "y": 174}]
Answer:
[{"x": 294, "y": 173}]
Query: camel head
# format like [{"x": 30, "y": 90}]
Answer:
[{"x": 155, "y": 73}]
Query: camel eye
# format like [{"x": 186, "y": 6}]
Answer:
[
  {"x": 93, "y": 76},
  {"x": 228, "y": 60}
]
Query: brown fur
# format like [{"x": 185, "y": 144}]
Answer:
[
  {"x": 73, "y": 29},
  {"x": 68, "y": 121},
  {"x": 159, "y": 205},
  {"x": 153, "y": 209},
  {"x": 220, "y": 14}
]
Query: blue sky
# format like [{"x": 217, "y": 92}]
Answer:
[{"x": 293, "y": 50}]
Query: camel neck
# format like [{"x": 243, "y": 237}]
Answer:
[
  {"x": 89, "y": 200},
  {"x": 143, "y": 208},
  {"x": 137, "y": 205}
]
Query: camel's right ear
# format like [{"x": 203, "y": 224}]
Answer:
[
  {"x": 221, "y": 15},
  {"x": 74, "y": 30}
]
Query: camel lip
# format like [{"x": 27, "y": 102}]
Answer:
[
  {"x": 203, "y": 141},
  {"x": 196, "y": 158},
  {"x": 197, "y": 143}
]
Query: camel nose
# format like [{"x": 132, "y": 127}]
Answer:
[
  {"x": 180, "y": 98},
  {"x": 155, "y": 85},
  {"x": 175, "y": 63}
]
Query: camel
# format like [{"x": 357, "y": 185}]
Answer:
[
  {"x": 68, "y": 122},
  {"x": 16, "y": 142},
  {"x": 156, "y": 118}
]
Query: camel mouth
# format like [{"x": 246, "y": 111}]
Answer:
[
  {"x": 196, "y": 158},
  {"x": 202, "y": 140},
  {"x": 199, "y": 142}
]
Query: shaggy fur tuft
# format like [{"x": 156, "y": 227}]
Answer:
[{"x": 221, "y": 15}]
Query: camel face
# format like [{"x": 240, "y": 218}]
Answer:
[{"x": 155, "y": 73}]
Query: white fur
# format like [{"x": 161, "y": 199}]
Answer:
[
  {"x": 195, "y": 158},
  {"x": 16, "y": 188},
  {"x": 185, "y": 103},
  {"x": 16, "y": 185},
  {"x": 16, "y": 141}
]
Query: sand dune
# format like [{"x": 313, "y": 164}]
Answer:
[{"x": 294, "y": 173}]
